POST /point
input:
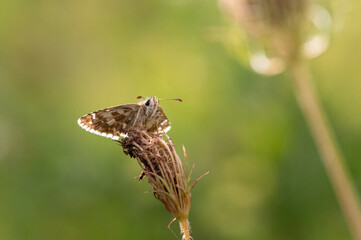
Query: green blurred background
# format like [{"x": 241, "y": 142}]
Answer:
[{"x": 62, "y": 59}]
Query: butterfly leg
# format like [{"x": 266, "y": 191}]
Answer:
[{"x": 136, "y": 117}]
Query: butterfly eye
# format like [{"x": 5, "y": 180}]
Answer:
[{"x": 147, "y": 103}]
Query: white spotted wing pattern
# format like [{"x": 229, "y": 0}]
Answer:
[{"x": 115, "y": 122}]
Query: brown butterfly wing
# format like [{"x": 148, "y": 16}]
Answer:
[
  {"x": 159, "y": 122},
  {"x": 113, "y": 122}
]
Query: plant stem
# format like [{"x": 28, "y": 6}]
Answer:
[
  {"x": 327, "y": 146},
  {"x": 183, "y": 222}
]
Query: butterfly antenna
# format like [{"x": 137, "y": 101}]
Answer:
[{"x": 177, "y": 99}]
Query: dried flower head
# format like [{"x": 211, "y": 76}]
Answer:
[
  {"x": 260, "y": 17},
  {"x": 164, "y": 169},
  {"x": 276, "y": 25}
]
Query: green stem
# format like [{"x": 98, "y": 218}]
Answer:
[
  {"x": 327, "y": 146},
  {"x": 183, "y": 222}
]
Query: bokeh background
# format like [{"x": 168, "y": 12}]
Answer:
[{"x": 62, "y": 59}]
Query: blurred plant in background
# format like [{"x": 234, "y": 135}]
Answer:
[
  {"x": 283, "y": 35},
  {"x": 278, "y": 29}
]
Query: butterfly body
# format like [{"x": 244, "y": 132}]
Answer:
[{"x": 115, "y": 122}]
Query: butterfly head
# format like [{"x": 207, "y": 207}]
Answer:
[
  {"x": 150, "y": 103},
  {"x": 153, "y": 101}
]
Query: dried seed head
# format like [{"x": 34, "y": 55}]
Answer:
[
  {"x": 276, "y": 23},
  {"x": 164, "y": 169},
  {"x": 262, "y": 16}
]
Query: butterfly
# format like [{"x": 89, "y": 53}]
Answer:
[{"x": 115, "y": 122}]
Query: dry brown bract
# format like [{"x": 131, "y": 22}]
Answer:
[{"x": 168, "y": 177}]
